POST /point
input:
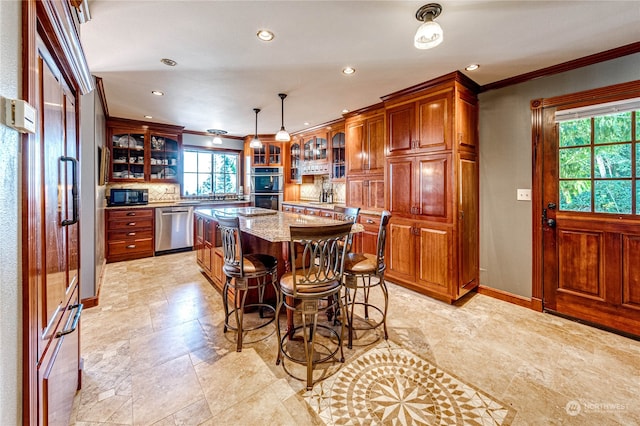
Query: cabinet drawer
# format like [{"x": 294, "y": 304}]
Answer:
[
  {"x": 312, "y": 212},
  {"x": 299, "y": 210},
  {"x": 326, "y": 213},
  {"x": 130, "y": 235},
  {"x": 134, "y": 223},
  {"x": 132, "y": 247},
  {"x": 370, "y": 222},
  {"x": 129, "y": 213},
  {"x": 287, "y": 208}
]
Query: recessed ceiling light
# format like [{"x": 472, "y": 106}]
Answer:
[
  {"x": 265, "y": 35},
  {"x": 157, "y": 93},
  {"x": 169, "y": 62},
  {"x": 148, "y": 116},
  {"x": 306, "y": 123},
  {"x": 348, "y": 70},
  {"x": 472, "y": 67},
  {"x": 344, "y": 111}
]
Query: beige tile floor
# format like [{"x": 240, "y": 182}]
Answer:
[{"x": 154, "y": 353}]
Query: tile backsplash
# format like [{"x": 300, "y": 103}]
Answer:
[{"x": 312, "y": 191}]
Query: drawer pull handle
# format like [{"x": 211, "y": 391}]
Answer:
[
  {"x": 131, "y": 246},
  {"x": 131, "y": 234},
  {"x": 131, "y": 224},
  {"x": 369, "y": 221},
  {"x": 131, "y": 214}
]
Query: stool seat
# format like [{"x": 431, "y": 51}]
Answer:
[
  {"x": 360, "y": 263},
  {"x": 252, "y": 264}
]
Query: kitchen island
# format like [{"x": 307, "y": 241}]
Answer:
[{"x": 263, "y": 231}]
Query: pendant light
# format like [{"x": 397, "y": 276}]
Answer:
[
  {"x": 430, "y": 33},
  {"x": 282, "y": 135},
  {"x": 256, "y": 143}
]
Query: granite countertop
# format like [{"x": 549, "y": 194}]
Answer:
[
  {"x": 273, "y": 227},
  {"x": 327, "y": 206},
  {"x": 180, "y": 203}
]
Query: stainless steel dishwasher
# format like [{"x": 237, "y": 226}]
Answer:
[{"x": 174, "y": 228}]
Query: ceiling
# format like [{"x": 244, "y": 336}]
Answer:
[{"x": 223, "y": 71}]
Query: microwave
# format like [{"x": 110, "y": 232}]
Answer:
[
  {"x": 128, "y": 197},
  {"x": 266, "y": 180}
]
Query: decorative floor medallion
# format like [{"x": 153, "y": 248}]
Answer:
[{"x": 390, "y": 385}]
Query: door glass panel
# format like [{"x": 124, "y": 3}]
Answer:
[
  {"x": 613, "y": 161},
  {"x": 612, "y": 128},
  {"x": 575, "y": 132},
  {"x": 575, "y": 163},
  {"x": 575, "y": 195},
  {"x": 613, "y": 196}
]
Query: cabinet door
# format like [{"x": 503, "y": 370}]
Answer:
[
  {"x": 401, "y": 245},
  {"x": 400, "y": 191},
  {"x": 164, "y": 157},
  {"x": 369, "y": 236},
  {"x": 434, "y": 197},
  {"x": 355, "y": 192},
  {"x": 259, "y": 157},
  {"x": 354, "y": 146},
  {"x": 127, "y": 158},
  {"x": 467, "y": 121},
  {"x": 374, "y": 152},
  {"x": 374, "y": 192},
  {"x": 468, "y": 222},
  {"x": 401, "y": 128},
  {"x": 434, "y": 122},
  {"x": 337, "y": 156},
  {"x": 294, "y": 172},
  {"x": 434, "y": 259}
]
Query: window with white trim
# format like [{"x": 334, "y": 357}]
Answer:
[{"x": 207, "y": 172}]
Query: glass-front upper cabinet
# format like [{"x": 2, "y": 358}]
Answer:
[
  {"x": 143, "y": 151},
  {"x": 295, "y": 175},
  {"x": 164, "y": 158},
  {"x": 337, "y": 156},
  {"x": 270, "y": 154},
  {"x": 321, "y": 148},
  {"x": 127, "y": 155}
]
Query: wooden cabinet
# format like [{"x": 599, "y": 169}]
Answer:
[
  {"x": 338, "y": 152},
  {"x": 367, "y": 240},
  {"x": 421, "y": 256},
  {"x": 365, "y": 143},
  {"x": 432, "y": 190},
  {"x": 366, "y": 191},
  {"x": 129, "y": 233},
  {"x": 421, "y": 126},
  {"x": 269, "y": 155},
  {"x": 295, "y": 171},
  {"x": 140, "y": 151},
  {"x": 420, "y": 186}
]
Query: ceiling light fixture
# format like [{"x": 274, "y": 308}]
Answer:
[
  {"x": 282, "y": 135},
  {"x": 472, "y": 67},
  {"x": 148, "y": 116},
  {"x": 217, "y": 140},
  {"x": 157, "y": 93},
  {"x": 256, "y": 143},
  {"x": 265, "y": 35},
  {"x": 168, "y": 62},
  {"x": 430, "y": 33},
  {"x": 348, "y": 70}
]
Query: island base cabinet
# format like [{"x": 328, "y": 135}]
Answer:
[{"x": 421, "y": 256}]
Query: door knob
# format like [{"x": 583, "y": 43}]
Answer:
[{"x": 551, "y": 223}]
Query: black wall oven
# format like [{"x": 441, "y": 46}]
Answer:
[{"x": 267, "y": 187}]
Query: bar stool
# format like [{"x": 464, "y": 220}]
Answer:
[
  {"x": 317, "y": 262},
  {"x": 359, "y": 268},
  {"x": 239, "y": 269}
]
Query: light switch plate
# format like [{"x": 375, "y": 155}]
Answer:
[{"x": 523, "y": 195}]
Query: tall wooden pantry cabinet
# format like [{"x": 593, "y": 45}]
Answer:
[{"x": 431, "y": 172}]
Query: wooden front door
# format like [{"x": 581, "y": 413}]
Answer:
[{"x": 590, "y": 217}]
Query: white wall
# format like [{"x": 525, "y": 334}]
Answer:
[
  {"x": 10, "y": 244},
  {"x": 505, "y": 165}
]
